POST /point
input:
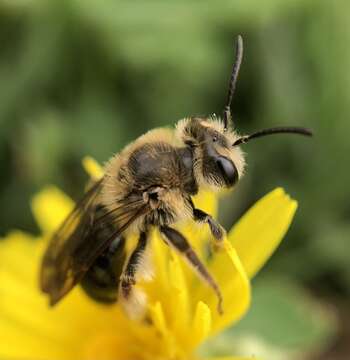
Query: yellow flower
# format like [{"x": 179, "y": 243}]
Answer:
[{"x": 181, "y": 310}]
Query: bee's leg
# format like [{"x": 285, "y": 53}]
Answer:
[
  {"x": 216, "y": 229},
  {"x": 175, "y": 239},
  {"x": 135, "y": 262}
]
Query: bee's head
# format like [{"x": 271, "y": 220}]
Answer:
[{"x": 217, "y": 159}]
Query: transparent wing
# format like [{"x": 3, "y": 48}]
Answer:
[{"x": 75, "y": 245}]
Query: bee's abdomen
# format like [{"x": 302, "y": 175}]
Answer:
[{"x": 101, "y": 281}]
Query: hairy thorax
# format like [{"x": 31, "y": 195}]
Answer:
[{"x": 154, "y": 173}]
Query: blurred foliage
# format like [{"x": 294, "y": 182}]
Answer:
[
  {"x": 284, "y": 322},
  {"x": 84, "y": 77}
]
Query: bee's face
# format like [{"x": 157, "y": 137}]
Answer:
[{"x": 216, "y": 162}]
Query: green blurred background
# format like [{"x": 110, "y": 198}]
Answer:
[{"x": 85, "y": 77}]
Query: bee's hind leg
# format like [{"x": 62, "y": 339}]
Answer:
[{"x": 176, "y": 240}]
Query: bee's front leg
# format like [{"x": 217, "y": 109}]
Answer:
[{"x": 216, "y": 229}]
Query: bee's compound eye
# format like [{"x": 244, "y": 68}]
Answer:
[{"x": 228, "y": 170}]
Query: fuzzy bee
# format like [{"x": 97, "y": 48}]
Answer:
[{"x": 150, "y": 183}]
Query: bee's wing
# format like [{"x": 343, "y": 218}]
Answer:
[{"x": 73, "y": 248}]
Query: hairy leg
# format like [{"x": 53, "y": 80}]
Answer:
[
  {"x": 128, "y": 277},
  {"x": 216, "y": 229},
  {"x": 178, "y": 241}
]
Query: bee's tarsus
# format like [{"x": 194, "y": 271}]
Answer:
[{"x": 220, "y": 307}]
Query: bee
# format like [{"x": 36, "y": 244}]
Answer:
[{"x": 150, "y": 183}]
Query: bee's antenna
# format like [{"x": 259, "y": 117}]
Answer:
[
  {"x": 271, "y": 131},
  {"x": 233, "y": 81}
]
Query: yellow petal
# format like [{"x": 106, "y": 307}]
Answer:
[
  {"x": 111, "y": 346},
  {"x": 233, "y": 358},
  {"x": 21, "y": 321},
  {"x": 201, "y": 323},
  {"x": 235, "y": 287},
  {"x": 207, "y": 201},
  {"x": 158, "y": 289},
  {"x": 227, "y": 270},
  {"x": 179, "y": 299},
  {"x": 14, "y": 252},
  {"x": 92, "y": 167},
  {"x": 166, "y": 342},
  {"x": 50, "y": 207},
  {"x": 258, "y": 233},
  {"x": 25, "y": 317},
  {"x": 158, "y": 318}
]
